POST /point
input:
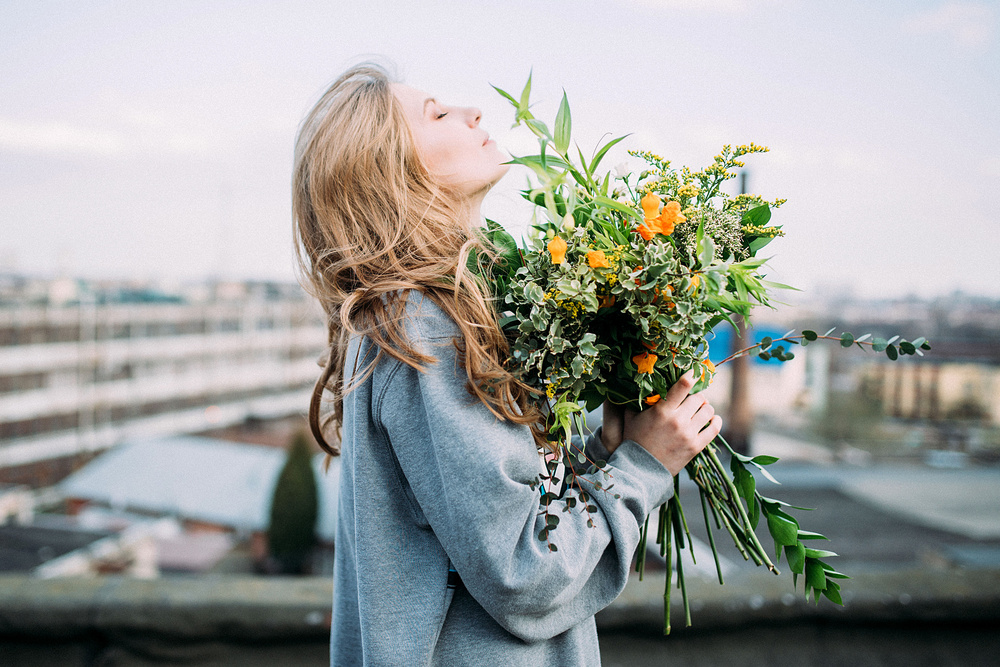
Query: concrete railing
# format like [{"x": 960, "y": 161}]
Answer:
[{"x": 242, "y": 616}]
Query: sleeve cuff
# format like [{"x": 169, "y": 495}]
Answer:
[{"x": 645, "y": 470}]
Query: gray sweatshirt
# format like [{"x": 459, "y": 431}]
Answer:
[{"x": 430, "y": 481}]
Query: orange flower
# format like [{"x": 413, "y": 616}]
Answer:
[
  {"x": 597, "y": 260},
  {"x": 645, "y": 232},
  {"x": 648, "y": 345},
  {"x": 557, "y": 247},
  {"x": 671, "y": 213},
  {"x": 645, "y": 362},
  {"x": 606, "y": 301},
  {"x": 650, "y": 205},
  {"x": 650, "y": 400},
  {"x": 708, "y": 366}
]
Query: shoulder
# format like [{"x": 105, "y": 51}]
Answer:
[{"x": 426, "y": 320}]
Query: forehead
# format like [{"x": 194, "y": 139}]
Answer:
[{"x": 411, "y": 99}]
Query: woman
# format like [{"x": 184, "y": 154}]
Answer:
[{"x": 438, "y": 559}]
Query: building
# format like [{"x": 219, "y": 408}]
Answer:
[{"x": 85, "y": 366}]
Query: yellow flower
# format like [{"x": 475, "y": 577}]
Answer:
[
  {"x": 557, "y": 248},
  {"x": 645, "y": 362},
  {"x": 596, "y": 259}
]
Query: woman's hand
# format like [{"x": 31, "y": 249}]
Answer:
[{"x": 673, "y": 430}]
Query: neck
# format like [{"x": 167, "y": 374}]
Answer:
[{"x": 475, "y": 209}]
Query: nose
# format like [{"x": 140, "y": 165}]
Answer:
[{"x": 474, "y": 116}]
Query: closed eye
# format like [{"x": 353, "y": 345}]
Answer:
[{"x": 442, "y": 115}]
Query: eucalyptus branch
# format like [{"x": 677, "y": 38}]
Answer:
[{"x": 890, "y": 347}]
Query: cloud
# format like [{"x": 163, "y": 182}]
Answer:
[{"x": 968, "y": 24}]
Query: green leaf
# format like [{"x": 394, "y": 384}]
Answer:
[
  {"x": 505, "y": 94},
  {"x": 795, "y": 554},
  {"x": 764, "y": 459},
  {"x": 832, "y": 592},
  {"x": 758, "y": 216},
  {"x": 809, "y": 335},
  {"x": 907, "y": 348},
  {"x": 540, "y": 128},
  {"x": 745, "y": 483},
  {"x": 563, "y": 126},
  {"x": 618, "y": 206},
  {"x": 890, "y": 351},
  {"x": 526, "y": 93},
  {"x": 815, "y": 574},
  {"x": 765, "y": 343},
  {"x": 879, "y": 344},
  {"x": 846, "y": 339},
  {"x": 807, "y": 535},
  {"x": 759, "y": 243},
  {"x": 783, "y": 528},
  {"x": 600, "y": 154},
  {"x": 819, "y": 553}
]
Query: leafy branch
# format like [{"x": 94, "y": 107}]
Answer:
[{"x": 893, "y": 347}]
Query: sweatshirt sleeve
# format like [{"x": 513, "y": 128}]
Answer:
[{"x": 472, "y": 476}]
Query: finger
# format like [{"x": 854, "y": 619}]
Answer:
[
  {"x": 678, "y": 392},
  {"x": 690, "y": 405},
  {"x": 703, "y": 416},
  {"x": 708, "y": 434}
]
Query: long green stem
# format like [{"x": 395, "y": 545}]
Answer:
[
  {"x": 683, "y": 586},
  {"x": 640, "y": 559},
  {"x": 751, "y": 535},
  {"x": 711, "y": 536},
  {"x": 666, "y": 588}
]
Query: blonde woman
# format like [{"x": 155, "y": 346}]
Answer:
[{"x": 437, "y": 556}]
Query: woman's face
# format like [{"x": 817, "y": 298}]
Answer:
[{"x": 452, "y": 146}]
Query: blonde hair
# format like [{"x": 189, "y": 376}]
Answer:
[{"x": 371, "y": 223}]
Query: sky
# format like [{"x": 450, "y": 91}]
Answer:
[{"x": 153, "y": 140}]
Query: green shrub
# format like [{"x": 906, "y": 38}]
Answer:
[{"x": 291, "y": 533}]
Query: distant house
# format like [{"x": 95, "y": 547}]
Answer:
[{"x": 207, "y": 484}]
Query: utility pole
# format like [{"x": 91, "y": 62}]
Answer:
[{"x": 737, "y": 427}]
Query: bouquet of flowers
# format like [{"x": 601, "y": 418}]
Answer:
[{"x": 614, "y": 296}]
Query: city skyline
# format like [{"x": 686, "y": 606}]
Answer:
[{"x": 154, "y": 141}]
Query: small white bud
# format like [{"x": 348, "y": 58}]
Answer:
[{"x": 569, "y": 224}]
